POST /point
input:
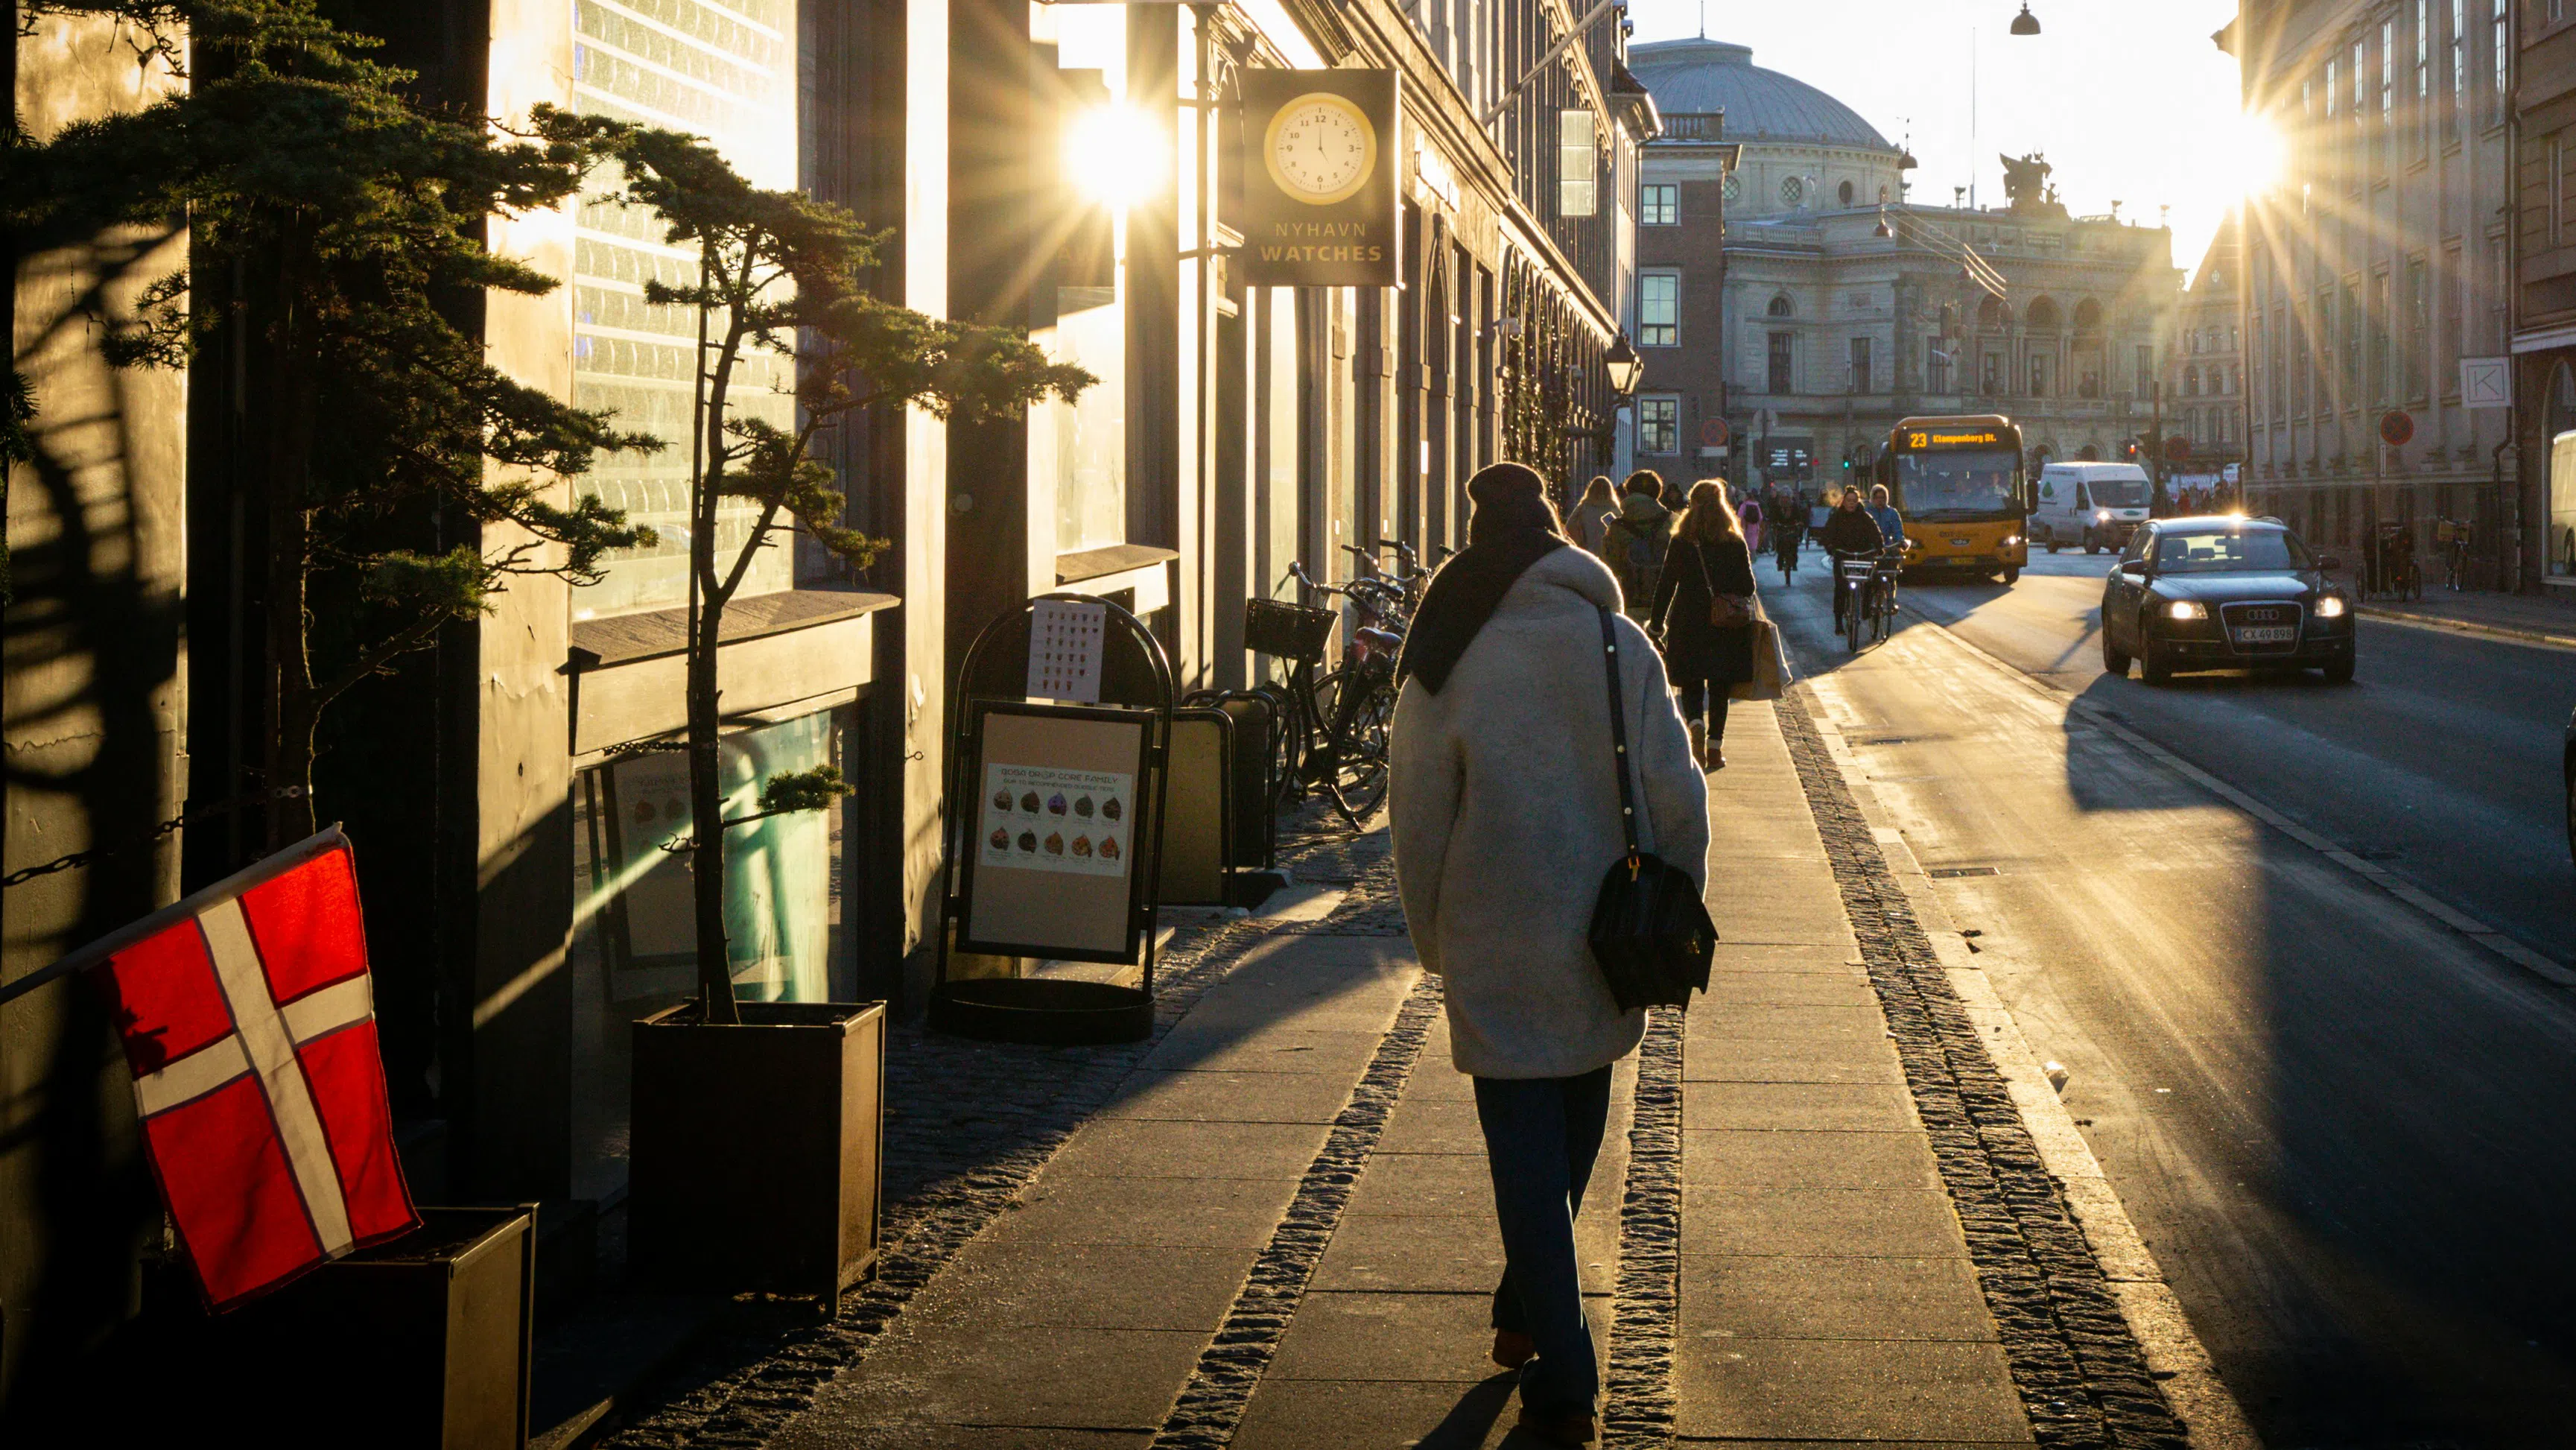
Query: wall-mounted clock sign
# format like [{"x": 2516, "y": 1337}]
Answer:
[
  {"x": 1318, "y": 155},
  {"x": 1321, "y": 148}
]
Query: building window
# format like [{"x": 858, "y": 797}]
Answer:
[
  {"x": 2352, "y": 330},
  {"x": 1780, "y": 306},
  {"x": 1659, "y": 205},
  {"x": 2380, "y": 361},
  {"x": 1936, "y": 367},
  {"x": 2038, "y": 377},
  {"x": 2143, "y": 375},
  {"x": 2273, "y": 395},
  {"x": 2419, "y": 329},
  {"x": 1990, "y": 376},
  {"x": 1659, "y": 310},
  {"x": 2191, "y": 382},
  {"x": 1659, "y": 425},
  {"x": 1784, "y": 357},
  {"x": 2423, "y": 75},
  {"x": 2500, "y": 24},
  {"x": 1578, "y": 167},
  {"x": 1733, "y": 190},
  {"x": 1845, "y": 192},
  {"x": 1793, "y": 192},
  {"x": 2459, "y": 65},
  {"x": 1860, "y": 380},
  {"x": 2387, "y": 74}
]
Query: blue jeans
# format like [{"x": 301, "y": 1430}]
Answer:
[{"x": 1541, "y": 1135}]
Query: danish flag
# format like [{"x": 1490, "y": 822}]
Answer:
[{"x": 249, "y": 1022}]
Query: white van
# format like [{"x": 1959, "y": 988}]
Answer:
[{"x": 2097, "y": 505}]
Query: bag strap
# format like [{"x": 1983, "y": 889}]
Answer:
[
  {"x": 1705, "y": 581},
  {"x": 1619, "y": 741}
]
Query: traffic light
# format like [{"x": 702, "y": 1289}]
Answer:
[{"x": 2129, "y": 451}]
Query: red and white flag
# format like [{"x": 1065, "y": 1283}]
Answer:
[{"x": 250, "y": 1024}]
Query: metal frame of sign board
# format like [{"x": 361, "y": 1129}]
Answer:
[
  {"x": 1225, "y": 803},
  {"x": 1144, "y": 855}
]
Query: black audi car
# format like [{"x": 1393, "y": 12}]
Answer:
[{"x": 2220, "y": 593}]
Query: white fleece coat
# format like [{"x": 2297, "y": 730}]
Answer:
[{"x": 1506, "y": 817}]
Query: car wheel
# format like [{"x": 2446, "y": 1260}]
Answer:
[
  {"x": 2153, "y": 665},
  {"x": 2340, "y": 671},
  {"x": 2091, "y": 544},
  {"x": 2012, "y": 576},
  {"x": 2115, "y": 660}
]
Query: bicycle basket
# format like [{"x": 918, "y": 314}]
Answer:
[{"x": 1290, "y": 631}]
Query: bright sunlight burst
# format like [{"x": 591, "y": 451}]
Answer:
[{"x": 2255, "y": 156}]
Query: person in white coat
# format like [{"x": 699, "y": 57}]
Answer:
[{"x": 1505, "y": 812}]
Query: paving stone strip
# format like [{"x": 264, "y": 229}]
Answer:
[
  {"x": 1638, "y": 1409},
  {"x": 968, "y": 1126},
  {"x": 1211, "y": 1406},
  {"x": 2082, "y": 1378}
]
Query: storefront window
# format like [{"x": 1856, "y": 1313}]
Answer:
[
  {"x": 1078, "y": 450},
  {"x": 635, "y": 925},
  {"x": 726, "y": 72}
]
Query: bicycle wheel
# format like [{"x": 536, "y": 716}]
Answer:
[
  {"x": 1855, "y": 620},
  {"x": 1358, "y": 707}
]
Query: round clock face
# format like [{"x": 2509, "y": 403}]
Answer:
[{"x": 1321, "y": 148}]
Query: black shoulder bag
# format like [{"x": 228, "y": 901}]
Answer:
[{"x": 1650, "y": 929}]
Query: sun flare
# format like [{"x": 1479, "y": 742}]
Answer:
[{"x": 2254, "y": 158}]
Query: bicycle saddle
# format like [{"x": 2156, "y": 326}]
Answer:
[{"x": 1380, "y": 639}]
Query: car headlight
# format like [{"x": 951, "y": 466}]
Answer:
[
  {"x": 2186, "y": 609},
  {"x": 2011, "y": 539},
  {"x": 2330, "y": 606},
  {"x": 2101, "y": 516}
]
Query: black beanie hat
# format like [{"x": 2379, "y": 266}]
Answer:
[{"x": 1509, "y": 496}]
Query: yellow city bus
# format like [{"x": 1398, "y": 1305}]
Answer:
[{"x": 1959, "y": 482}]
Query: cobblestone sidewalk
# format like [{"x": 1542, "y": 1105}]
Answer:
[{"x": 1816, "y": 1217}]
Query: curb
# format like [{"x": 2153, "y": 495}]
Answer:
[{"x": 2478, "y": 628}]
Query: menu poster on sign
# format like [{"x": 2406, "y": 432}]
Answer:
[
  {"x": 1079, "y": 822},
  {"x": 1065, "y": 638}
]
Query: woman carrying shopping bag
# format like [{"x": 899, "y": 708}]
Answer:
[
  {"x": 1705, "y": 610},
  {"x": 1506, "y": 803}
]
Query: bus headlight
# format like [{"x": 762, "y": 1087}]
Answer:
[
  {"x": 2330, "y": 606},
  {"x": 2011, "y": 539},
  {"x": 2186, "y": 609}
]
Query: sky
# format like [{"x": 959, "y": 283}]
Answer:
[{"x": 2130, "y": 102}]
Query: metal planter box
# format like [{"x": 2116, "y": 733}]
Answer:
[
  {"x": 755, "y": 1160},
  {"x": 422, "y": 1343}
]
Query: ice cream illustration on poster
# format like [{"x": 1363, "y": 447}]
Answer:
[{"x": 1036, "y": 818}]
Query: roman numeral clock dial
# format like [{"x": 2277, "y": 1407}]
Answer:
[{"x": 1320, "y": 149}]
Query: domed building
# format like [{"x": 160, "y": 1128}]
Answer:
[{"x": 1791, "y": 289}]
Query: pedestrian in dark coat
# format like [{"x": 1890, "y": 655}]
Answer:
[{"x": 1708, "y": 558}]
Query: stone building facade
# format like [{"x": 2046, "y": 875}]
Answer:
[
  {"x": 2204, "y": 401},
  {"x": 1844, "y": 306},
  {"x": 2376, "y": 265},
  {"x": 2544, "y": 301}
]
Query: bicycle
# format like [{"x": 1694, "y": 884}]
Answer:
[
  {"x": 2454, "y": 536},
  {"x": 1867, "y": 589},
  {"x": 1333, "y": 726},
  {"x": 1785, "y": 554}
]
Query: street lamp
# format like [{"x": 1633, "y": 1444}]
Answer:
[
  {"x": 1624, "y": 366},
  {"x": 2025, "y": 23}
]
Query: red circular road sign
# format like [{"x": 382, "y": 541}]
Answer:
[
  {"x": 2176, "y": 448},
  {"x": 2395, "y": 427},
  {"x": 1713, "y": 433}
]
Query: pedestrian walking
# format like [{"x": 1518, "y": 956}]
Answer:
[
  {"x": 1753, "y": 516},
  {"x": 1633, "y": 544},
  {"x": 1703, "y": 616},
  {"x": 1505, "y": 813},
  {"x": 1592, "y": 514}
]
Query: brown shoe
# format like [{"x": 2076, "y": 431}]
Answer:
[
  {"x": 1558, "y": 1427},
  {"x": 1512, "y": 1349}
]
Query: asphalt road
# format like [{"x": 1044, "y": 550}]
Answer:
[{"x": 2347, "y": 1130}]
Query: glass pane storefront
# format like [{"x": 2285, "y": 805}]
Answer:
[
  {"x": 726, "y": 72},
  {"x": 635, "y": 925},
  {"x": 1078, "y": 450}
]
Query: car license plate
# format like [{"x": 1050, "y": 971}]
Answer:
[
  {"x": 1958, "y": 543},
  {"x": 2266, "y": 634}
]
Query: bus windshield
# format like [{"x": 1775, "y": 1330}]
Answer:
[{"x": 1971, "y": 483}]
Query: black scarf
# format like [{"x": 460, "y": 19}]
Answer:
[{"x": 1463, "y": 595}]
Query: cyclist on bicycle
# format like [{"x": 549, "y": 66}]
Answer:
[{"x": 1851, "y": 533}]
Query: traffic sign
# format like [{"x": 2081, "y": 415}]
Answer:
[
  {"x": 2177, "y": 448},
  {"x": 1713, "y": 433},
  {"x": 2395, "y": 427}
]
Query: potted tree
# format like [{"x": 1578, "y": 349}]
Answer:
[
  {"x": 753, "y": 1160},
  {"x": 345, "y": 219}
]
